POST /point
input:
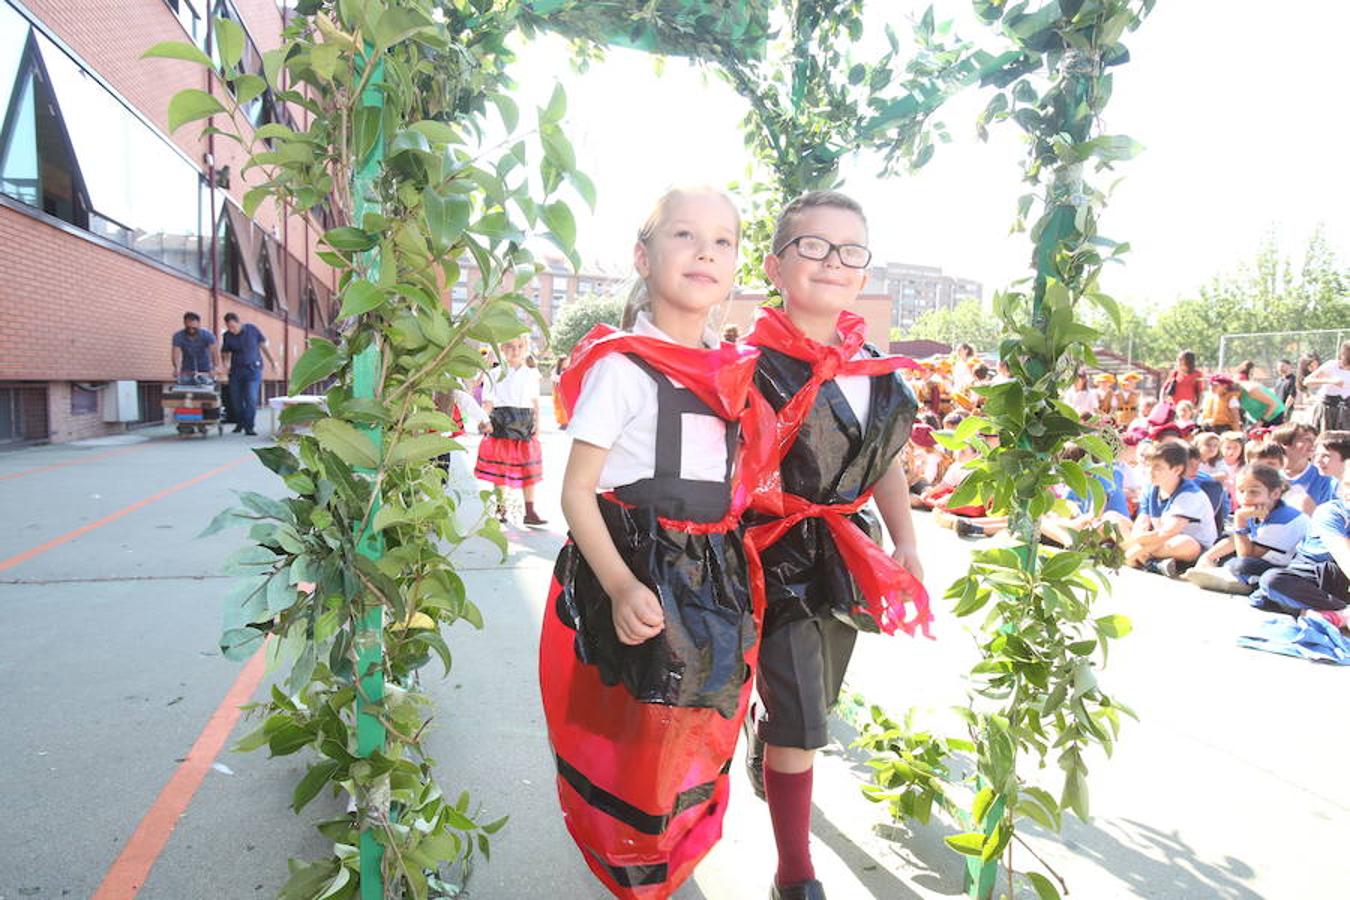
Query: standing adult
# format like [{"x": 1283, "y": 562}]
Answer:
[
  {"x": 193, "y": 349},
  {"x": 1257, "y": 401},
  {"x": 245, "y": 346},
  {"x": 1184, "y": 382},
  {"x": 1332, "y": 378},
  {"x": 1286, "y": 387}
]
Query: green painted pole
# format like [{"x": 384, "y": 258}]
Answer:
[{"x": 369, "y": 642}]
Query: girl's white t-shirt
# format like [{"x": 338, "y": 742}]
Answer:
[
  {"x": 1332, "y": 369},
  {"x": 512, "y": 387}
]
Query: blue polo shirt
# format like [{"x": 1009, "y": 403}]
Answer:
[
  {"x": 196, "y": 349},
  {"x": 1187, "y": 502},
  {"x": 1280, "y": 532},
  {"x": 1312, "y": 482},
  {"x": 1115, "y": 494},
  {"x": 243, "y": 348},
  {"x": 1330, "y": 520}
]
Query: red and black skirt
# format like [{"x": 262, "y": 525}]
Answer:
[
  {"x": 643, "y": 736},
  {"x": 510, "y": 455}
]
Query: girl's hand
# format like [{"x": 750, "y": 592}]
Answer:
[
  {"x": 1245, "y": 513},
  {"x": 637, "y": 613},
  {"x": 907, "y": 555}
]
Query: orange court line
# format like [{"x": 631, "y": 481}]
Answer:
[
  {"x": 114, "y": 516},
  {"x": 127, "y": 875},
  {"x": 74, "y": 462}
]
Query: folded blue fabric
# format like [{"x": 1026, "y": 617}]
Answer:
[{"x": 1307, "y": 637}]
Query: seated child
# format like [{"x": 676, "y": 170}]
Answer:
[
  {"x": 1331, "y": 452},
  {"x": 924, "y": 462},
  {"x": 1116, "y": 511},
  {"x": 1266, "y": 532},
  {"x": 1211, "y": 457},
  {"x": 1185, "y": 417},
  {"x": 1316, "y": 580},
  {"x": 1230, "y": 450},
  {"x": 1176, "y": 520},
  {"x": 1308, "y": 487}
]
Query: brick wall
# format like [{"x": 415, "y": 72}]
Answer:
[{"x": 64, "y": 426}]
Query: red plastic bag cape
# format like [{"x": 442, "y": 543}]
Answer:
[
  {"x": 794, "y": 370},
  {"x": 644, "y": 785}
]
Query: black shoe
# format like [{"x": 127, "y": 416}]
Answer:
[
  {"x": 968, "y": 529},
  {"x": 754, "y": 755},
  {"x": 534, "y": 519},
  {"x": 250, "y": 431},
  {"x": 237, "y": 429},
  {"x": 802, "y": 890}
]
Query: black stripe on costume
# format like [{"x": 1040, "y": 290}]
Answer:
[
  {"x": 509, "y": 473},
  {"x": 633, "y": 876},
  {"x": 618, "y": 808},
  {"x": 506, "y": 462}
]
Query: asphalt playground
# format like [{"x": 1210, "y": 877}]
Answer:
[{"x": 118, "y": 714}]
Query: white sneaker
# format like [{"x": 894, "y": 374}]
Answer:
[{"x": 1217, "y": 579}]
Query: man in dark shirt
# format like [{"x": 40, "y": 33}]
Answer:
[
  {"x": 193, "y": 349},
  {"x": 245, "y": 346},
  {"x": 1286, "y": 386}
]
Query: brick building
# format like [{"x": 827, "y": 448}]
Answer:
[
  {"x": 112, "y": 228},
  {"x": 915, "y": 290}
]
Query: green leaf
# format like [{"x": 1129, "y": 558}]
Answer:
[
  {"x": 350, "y": 239},
  {"x": 420, "y": 448},
  {"x": 229, "y": 42},
  {"x": 178, "y": 50},
  {"x": 314, "y": 780},
  {"x": 321, "y": 360},
  {"x": 996, "y": 842},
  {"x": 971, "y": 843},
  {"x": 557, "y": 149},
  {"x": 1044, "y": 887},
  {"x": 226, "y": 518},
  {"x": 248, "y": 88},
  {"x": 980, "y": 806},
  {"x": 190, "y": 105},
  {"x": 1076, "y": 792},
  {"x": 447, "y": 216},
  {"x": 558, "y": 217},
  {"x": 347, "y": 442},
  {"x": 1115, "y": 626},
  {"x": 361, "y": 297},
  {"x": 398, "y": 23},
  {"x": 557, "y": 107},
  {"x": 238, "y": 644},
  {"x": 508, "y": 110},
  {"x": 585, "y": 187}
]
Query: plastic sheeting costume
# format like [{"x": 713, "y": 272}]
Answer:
[
  {"x": 818, "y": 547},
  {"x": 643, "y": 736}
]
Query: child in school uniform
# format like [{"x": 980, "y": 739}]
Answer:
[
  {"x": 1266, "y": 532},
  {"x": 1175, "y": 523},
  {"x": 649, "y": 634},
  {"x": 510, "y": 455},
  {"x": 843, "y": 417}
]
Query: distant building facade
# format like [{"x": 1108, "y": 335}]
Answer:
[{"x": 915, "y": 290}]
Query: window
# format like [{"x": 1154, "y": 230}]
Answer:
[
  {"x": 258, "y": 110},
  {"x": 23, "y": 412},
  {"x": 72, "y": 149},
  {"x": 186, "y": 13},
  {"x": 249, "y": 259},
  {"x": 83, "y": 400}
]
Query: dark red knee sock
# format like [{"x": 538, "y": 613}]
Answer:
[{"x": 789, "y": 798}]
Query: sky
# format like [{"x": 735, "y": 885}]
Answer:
[{"x": 1241, "y": 106}]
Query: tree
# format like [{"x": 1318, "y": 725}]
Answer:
[
  {"x": 969, "y": 320},
  {"x": 581, "y": 316}
]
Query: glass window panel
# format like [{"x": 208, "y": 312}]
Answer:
[
  {"x": 144, "y": 194},
  {"x": 13, "y": 33},
  {"x": 18, "y": 148}
]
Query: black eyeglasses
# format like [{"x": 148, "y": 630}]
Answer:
[{"x": 854, "y": 256}]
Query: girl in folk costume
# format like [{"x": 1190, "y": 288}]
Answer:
[
  {"x": 1127, "y": 399},
  {"x": 649, "y": 635},
  {"x": 1106, "y": 395},
  {"x": 510, "y": 456},
  {"x": 843, "y": 417}
]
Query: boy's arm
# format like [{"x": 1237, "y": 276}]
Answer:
[
  {"x": 892, "y": 496},
  {"x": 637, "y": 612},
  {"x": 1226, "y": 545}
]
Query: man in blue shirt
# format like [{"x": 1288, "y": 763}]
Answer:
[
  {"x": 245, "y": 346},
  {"x": 193, "y": 349},
  {"x": 1319, "y": 576}
]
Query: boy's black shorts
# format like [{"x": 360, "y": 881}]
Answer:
[{"x": 801, "y": 670}]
